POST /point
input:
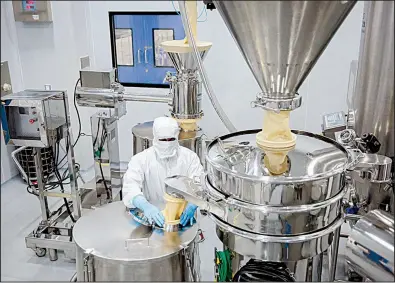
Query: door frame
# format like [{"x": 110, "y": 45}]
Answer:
[{"x": 111, "y": 15}]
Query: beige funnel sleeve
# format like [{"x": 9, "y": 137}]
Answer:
[
  {"x": 276, "y": 139},
  {"x": 188, "y": 125},
  {"x": 173, "y": 210}
]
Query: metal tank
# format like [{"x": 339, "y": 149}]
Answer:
[
  {"x": 111, "y": 248},
  {"x": 373, "y": 99},
  {"x": 143, "y": 137},
  {"x": 370, "y": 247}
]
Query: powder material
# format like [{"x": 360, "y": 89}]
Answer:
[{"x": 276, "y": 139}]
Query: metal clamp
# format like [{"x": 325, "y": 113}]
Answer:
[{"x": 277, "y": 104}]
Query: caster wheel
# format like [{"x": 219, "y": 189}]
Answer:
[
  {"x": 354, "y": 277},
  {"x": 40, "y": 252}
]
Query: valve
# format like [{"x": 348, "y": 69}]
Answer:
[{"x": 372, "y": 144}]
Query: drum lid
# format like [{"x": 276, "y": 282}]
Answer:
[{"x": 109, "y": 232}]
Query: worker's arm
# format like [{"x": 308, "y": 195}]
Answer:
[{"x": 133, "y": 179}]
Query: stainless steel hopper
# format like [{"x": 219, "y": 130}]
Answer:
[{"x": 281, "y": 41}]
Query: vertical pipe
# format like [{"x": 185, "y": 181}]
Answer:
[
  {"x": 332, "y": 255},
  {"x": 40, "y": 185},
  {"x": 75, "y": 193}
]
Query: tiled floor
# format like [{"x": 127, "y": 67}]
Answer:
[{"x": 20, "y": 214}]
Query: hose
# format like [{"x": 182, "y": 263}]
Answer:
[
  {"x": 223, "y": 261},
  {"x": 210, "y": 92},
  {"x": 261, "y": 271}
]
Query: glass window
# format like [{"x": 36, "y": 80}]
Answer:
[
  {"x": 161, "y": 58},
  {"x": 136, "y": 51},
  {"x": 124, "y": 47}
]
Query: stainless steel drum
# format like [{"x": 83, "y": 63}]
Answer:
[
  {"x": 109, "y": 249},
  {"x": 288, "y": 218},
  {"x": 143, "y": 137},
  {"x": 370, "y": 247}
]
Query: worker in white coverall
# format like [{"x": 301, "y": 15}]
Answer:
[{"x": 143, "y": 183}]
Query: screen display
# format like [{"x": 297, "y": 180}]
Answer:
[{"x": 28, "y": 6}]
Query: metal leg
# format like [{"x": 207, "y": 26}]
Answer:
[
  {"x": 75, "y": 193},
  {"x": 332, "y": 255},
  {"x": 40, "y": 186},
  {"x": 53, "y": 254},
  {"x": 114, "y": 156}
]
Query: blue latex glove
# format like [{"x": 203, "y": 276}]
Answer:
[
  {"x": 188, "y": 214},
  {"x": 151, "y": 212}
]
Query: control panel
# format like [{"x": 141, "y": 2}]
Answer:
[{"x": 32, "y": 11}]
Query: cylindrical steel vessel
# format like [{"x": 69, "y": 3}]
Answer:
[
  {"x": 370, "y": 246},
  {"x": 373, "y": 100},
  {"x": 143, "y": 137},
  {"x": 110, "y": 248},
  {"x": 187, "y": 96},
  {"x": 292, "y": 218}
]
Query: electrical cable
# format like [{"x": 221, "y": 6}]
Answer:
[
  {"x": 103, "y": 140},
  {"x": 224, "y": 264},
  {"x": 78, "y": 113},
  {"x": 262, "y": 271}
]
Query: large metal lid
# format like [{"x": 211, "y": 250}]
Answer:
[
  {"x": 144, "y": 130},
  {"x": 313, "y": 157},
  {"x": 106, "y": 232}
]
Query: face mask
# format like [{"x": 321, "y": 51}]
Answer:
[{"x": 165, "y": 149}]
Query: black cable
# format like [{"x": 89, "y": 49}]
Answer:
[
  {"x": 79, "y": 123},
  {"x": 103, "y": 140},
  {"x": 78, "y": 113},
  {"x": 261, "y": 271},
  {"x": 97, "y": 133}
]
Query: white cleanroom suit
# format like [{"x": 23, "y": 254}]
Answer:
[{"x": 147, "y": 170}]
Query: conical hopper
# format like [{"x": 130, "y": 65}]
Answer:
[
  {"x": 180, "y": 53},
  {"x": 282, "y": 40}
]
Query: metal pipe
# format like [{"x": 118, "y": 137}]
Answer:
[
  {"x": 109, "y": 98},
  {"x": 370, "y": 246},
  {"x": 97, "y": 97},
  {"x": 127, "y": 96},
  {"x": 210, "y": 92},
  {"x": 333, "y": 253}
]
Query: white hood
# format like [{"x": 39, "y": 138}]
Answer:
[{"x": 165, "y": 127}]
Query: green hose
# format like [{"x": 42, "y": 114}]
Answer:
[{"x": 224, "y": 263}]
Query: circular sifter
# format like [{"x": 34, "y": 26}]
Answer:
[{"x": 291, "y": 217}]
